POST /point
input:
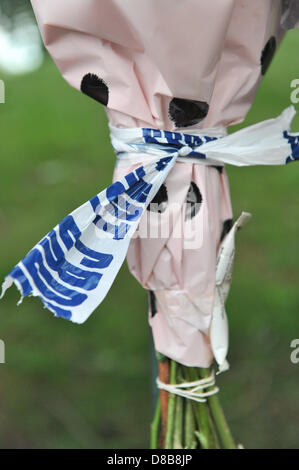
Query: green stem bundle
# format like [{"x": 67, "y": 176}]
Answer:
[
  {"x": 171, "y": 409},
  {"x": 155, "y": 426},
  {"x": 191, "y": 424}
]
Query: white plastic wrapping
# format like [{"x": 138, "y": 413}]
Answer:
[{"x": 219, "y": 325}]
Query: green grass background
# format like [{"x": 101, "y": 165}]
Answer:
[{"x": 65, "y": 385}]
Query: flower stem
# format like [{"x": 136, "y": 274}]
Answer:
[
  {"x": 178, "y": 424},
  {"x": 223, "y": 430},
  {"x": 189, "y": 425},
  {"x": 201, "y": 412},
  {"x": 155, "y": 426},
  {"x": 171, "y": 409}
]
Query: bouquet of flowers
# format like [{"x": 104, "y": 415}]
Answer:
[{"x": 173, "y": 76}]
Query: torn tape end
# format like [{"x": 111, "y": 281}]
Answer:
[
  {"x": 7, "y": 283},
  {"x": 48, "y": 307},
  {"x": 20, "y": 301}
]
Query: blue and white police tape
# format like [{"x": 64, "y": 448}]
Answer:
[{"x": 73, "y": 267}]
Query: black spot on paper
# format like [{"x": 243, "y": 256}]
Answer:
[
  {"x": 193, "y": 201},
  {"x": 152, "y": 301},
  {"x": 159, "y": 202},
  {"x": 186, "y": 113},
  {"x": 95, "y": 87},
  {"x": 267, "y": 54},
  {"x": 219, "y": 168},
  {"x": 227, "y": 225}
]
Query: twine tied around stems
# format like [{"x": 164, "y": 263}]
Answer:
[{"x": 191, "y": 390}]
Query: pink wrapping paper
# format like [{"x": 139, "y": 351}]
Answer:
[
  {"x": 183, "y": 280},
  {"x": 151, "y": 51},
  {"x": 171, "y": 64}
]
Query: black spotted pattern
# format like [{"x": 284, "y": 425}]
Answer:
[
  {"x": 267, "y": 54},
  {"x": 95, "y": 87},
  {"x": 227, "y": 225},
  {"x": 186, "y": 113},
  {"x": 152, "y": 302},
  {"x": 159, "y": 202},
  {"x": 219, "y": 168},
  {"x": 193, "y": 201}
]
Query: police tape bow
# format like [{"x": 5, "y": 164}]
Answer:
[{"x": 72, "y": 268}]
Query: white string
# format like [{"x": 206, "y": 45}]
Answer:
[{"x": 193, "y": 393}]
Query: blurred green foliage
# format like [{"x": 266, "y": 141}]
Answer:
[{"x": 83, "y": 386}]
